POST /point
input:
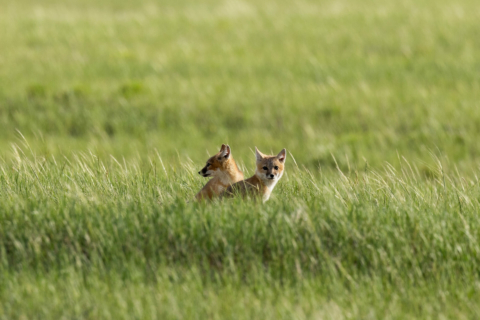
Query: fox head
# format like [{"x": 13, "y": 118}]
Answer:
[
  {"x": 270, "y": 168},
  {"x": 217, "y": 163}
]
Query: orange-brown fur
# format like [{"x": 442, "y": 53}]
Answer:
[
  {"x": 269, "y": 171},
  {"x": 224, "y": 172}
]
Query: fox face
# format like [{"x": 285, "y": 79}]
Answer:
[
  {"x": 216, "y": 164},
  {"x": 223, "y": 171},
  {"x": 270, "y": 168}
]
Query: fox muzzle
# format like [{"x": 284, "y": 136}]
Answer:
[{"x": 203, "y": 172}]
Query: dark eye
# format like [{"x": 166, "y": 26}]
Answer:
[
  {"x": 265, "y": 168},
  {"x": 276, "y": 167},
  {"x": 208, "y": 164}
]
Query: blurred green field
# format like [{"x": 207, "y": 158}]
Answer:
[
  {"x": 108, "y": 109},
  {"x": 360, "y": 80}
]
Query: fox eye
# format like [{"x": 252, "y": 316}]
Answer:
[
  {"x": 208, "y": 164},
  {"x": 265, "y": 168},
  {"x": 276, "y": 167}
]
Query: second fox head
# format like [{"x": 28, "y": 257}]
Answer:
[{"x": 216, "y": 163}]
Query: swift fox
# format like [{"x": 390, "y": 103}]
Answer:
[
  {"x": 224, "y": 172},
  {"x": 269, "y": 171}
]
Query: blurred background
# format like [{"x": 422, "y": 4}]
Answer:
[{"x": 365, "y": 81}]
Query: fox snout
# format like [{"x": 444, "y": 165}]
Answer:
[
  {"x": 203, "y": 172},
  {"x": 270, "y": 176}
]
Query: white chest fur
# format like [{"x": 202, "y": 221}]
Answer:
[{"x": 269, "y": 183}]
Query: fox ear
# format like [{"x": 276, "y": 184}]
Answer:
[
  {"x": 258, "y": 154},
  {"x": 225, "y": 152},
  {"x": 228, "y": 152},
  {"x": 282, "y": 155}
]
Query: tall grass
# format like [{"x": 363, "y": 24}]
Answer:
[{"x": 393, "y": 231}]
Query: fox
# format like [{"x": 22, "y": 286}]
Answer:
[
  {"x": 224, "y": 172},
  {"x": 268, "y": 172}
]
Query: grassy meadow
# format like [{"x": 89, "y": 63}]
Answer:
[{"x": 109, "y": 108}]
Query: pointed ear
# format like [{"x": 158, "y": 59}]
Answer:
[
  {"x": 222, "y": 147},
  {"x": 258, "y": 154},
  {"x": 282, "y": 155},
  {"x": 225, "y": 152}
]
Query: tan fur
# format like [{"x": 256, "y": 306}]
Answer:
[
  {"x": 224, "y": 172},
  {"x": 262, "y": 183}
]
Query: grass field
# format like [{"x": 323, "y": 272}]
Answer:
[{"x": 109, "y": 108}]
